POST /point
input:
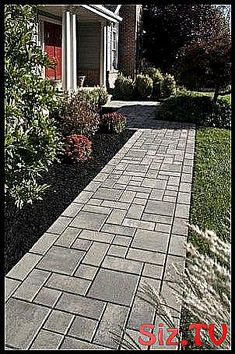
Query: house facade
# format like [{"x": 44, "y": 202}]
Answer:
[{"x": 89, "y": 44}]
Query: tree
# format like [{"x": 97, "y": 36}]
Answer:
[
  {"x": 31, "y": 137},
  {"x": 168, "y": 28},
  {"x": 206, "y": 61}
]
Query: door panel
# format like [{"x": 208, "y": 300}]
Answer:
[{"x": 53, "y": 48}]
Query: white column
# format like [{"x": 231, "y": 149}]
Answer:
[
  {"x": 66, "y": 50},
  {"x": 73, "y": 53},
  {"x": 103, "y": 56}
]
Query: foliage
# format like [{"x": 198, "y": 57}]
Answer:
[
  {"x": 193, "y": 108},
  {"x": 77, "y": 148},
  {"x": 123, "y": 88},
  {"x": 143, "y": 86},
  {"x": 76, "y": 116},
  {"x": 168, "y": 86},
  {"x": 96, "y": 97},
  {"x": 207, "y": 60},
  {"x": 113, "y": 122},
  {"x": 31, "y": 137},
  {"x": 168, "y": 27},
  {"x": 157, "y": 77},
  {"x": 103, "y": 95}
]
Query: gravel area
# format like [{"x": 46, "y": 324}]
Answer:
[{"x": 24, "y": 227}]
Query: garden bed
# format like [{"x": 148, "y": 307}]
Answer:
[{"x": 25, "y": 227}]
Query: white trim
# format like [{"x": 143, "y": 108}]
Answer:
[
  {"x": 117, "y": 9},
  {"x": 74, "y": 52},
  {"x": 102, "y": 12},
  {"x": 49, "y": 19}
]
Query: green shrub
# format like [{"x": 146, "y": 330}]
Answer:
[
  {"x": 168, "y": 87},
  {"x": 123, "y": 88},
  {"x": 90, "y": 97},
  {"x": 157, "y": 77},
  {"x": 32, "y": 140},
  {"x": 143, "y": 86},
  {"x": 77, "y": 148},
  {"x": 77, "y": 117},
  {"x": 113, "y": 122},
  {"x": 197, "y": 109},
  {"x": 102, "y": 94}
]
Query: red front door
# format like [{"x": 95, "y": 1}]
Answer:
[{"x": 53, "y": 48}]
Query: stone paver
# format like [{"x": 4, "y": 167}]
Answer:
[{"x": 81, "y": 279}]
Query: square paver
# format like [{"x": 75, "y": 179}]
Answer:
[
  {"x": 76, "y": 344},
  {"x": 150, "y": 240},
  {"x": 83, "y": 328},
  {"x": 87, "y": 220},
  {"x": 114, "y": 286},
  {"x": 23, "y": 320},
  {"x": 47, "y": 297},
  {"x": 86, "y": 271},
  {"x": 82, "y": 244},
  {"x": 46, "y": 340},
  {"x": 62, "y": 260},
  {"x": 122, "y": 240},
  {"x": 58, "y": 321}
]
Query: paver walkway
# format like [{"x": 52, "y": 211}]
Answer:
[{"x": 80, "y": 280}]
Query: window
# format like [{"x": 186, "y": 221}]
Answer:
[
  {"x": 114, "y": 48},
  {"x": 114, "y": 40}
]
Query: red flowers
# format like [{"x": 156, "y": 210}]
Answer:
[{"x": 78, "y": 148}]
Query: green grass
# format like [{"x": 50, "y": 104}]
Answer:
[
  {"x": 211, "y": 195},
  {"x": 226, "y": 98},
  {"x": 211, "y": 191}
]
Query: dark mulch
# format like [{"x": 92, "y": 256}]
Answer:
[{"x": 23, "y": 228}]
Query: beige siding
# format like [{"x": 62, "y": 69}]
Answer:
[{"x": 88, "y": 45}]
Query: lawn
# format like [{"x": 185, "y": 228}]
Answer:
[
  {"x": 211, "y": 193},
  {"x": 227, "y": 98}
]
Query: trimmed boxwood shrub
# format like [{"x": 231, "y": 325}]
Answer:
[
  {"x": 143, "y": 86},
  {"x": 77, "y": 148},
  {"x": 96, "y": 97},
  {"x": 75, "y": 116},
  {"x": 192, "y": 108},
  {"x": 157, "y": 77},
  {"x": 113, "y": 122},
  {"x": 32, "y": 140},
  {"x": 168, "y": 86},
  {"x": 123, "y": 88}
]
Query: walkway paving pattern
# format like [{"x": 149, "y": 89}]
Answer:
[{"x": 80, "y": 280}]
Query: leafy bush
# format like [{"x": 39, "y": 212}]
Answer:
[
  {"x": 95, "y": 97},
  {"x": 123, "y": 88},
  {"x": 197, "y": 109},
  {"x": 32, "y": 140},
  {"x": 157, "y": 77},
  {"x": 143, "y": 86},
  {"x": 168, "y": 87},
  {"x": 102, "y": 94},
  {"x": 77, "y": 148},
  {"x": 77, "y": 117},
  {"x": 113, "y": 122}
]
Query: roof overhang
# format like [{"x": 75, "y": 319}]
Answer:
[{"x": 85, "y": 13}]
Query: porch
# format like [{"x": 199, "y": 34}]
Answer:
[{"x": 78, "y": 39}]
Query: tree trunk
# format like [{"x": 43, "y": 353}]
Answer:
[{"x": 216, "y": 93}]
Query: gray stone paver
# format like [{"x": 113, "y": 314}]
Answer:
[{"x": 81, "y": 278}]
